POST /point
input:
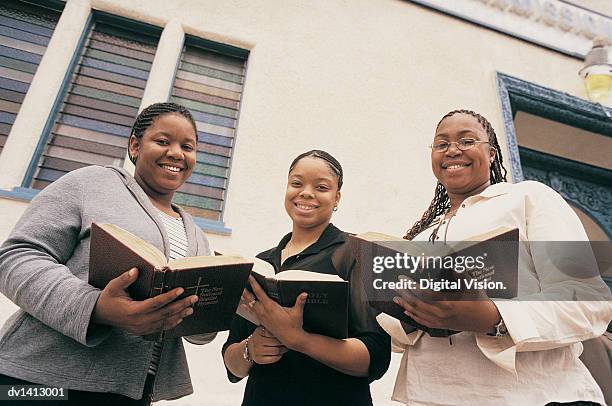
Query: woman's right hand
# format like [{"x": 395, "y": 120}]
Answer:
[
  {"x": 461, "y": 310},
  {"x": 264, "y": 348},
  {"x": 116, "y": 308}
]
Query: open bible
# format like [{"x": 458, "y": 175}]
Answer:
[
  {"x": 218, "y": 281},
  {"x": 483, "y": 266}
]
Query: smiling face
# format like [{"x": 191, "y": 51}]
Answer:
[
  {"x": 165, "y": 156},
  {"x": 312, "y": 193},
  {"x": 463, "y": 173}
]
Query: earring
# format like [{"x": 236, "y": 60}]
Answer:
[
  {"x": 132, "y": 159},
  {"x": 335, "y": 208}
]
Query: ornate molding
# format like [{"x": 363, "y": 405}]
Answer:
[
  {"x": 584, "y": 185},
  {"x": 568, "y": 167},
  {"x": 508, "y": 116},
  {"x": 554, "y": 24},
  {"x": 592, "y": 198},
  {"x": 519, "y": 95},
  {"x": 555, "y": 105}
]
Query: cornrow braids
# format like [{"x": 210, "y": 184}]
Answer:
[
  {"x": 147, "y": 116},
  {"x": 332, "y": 162},
  {"x": 441, "y": 202}
]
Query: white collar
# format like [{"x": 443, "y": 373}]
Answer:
[{"x": 497, "y": 189}]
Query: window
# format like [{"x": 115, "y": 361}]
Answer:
[
  {"x": 25, "y": 31},
  {"x": 209, "y": 84},
  {"x": 93, "y": 124},
  {"x": 102, "y": 91}
]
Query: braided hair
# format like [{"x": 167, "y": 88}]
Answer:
[
  {"x": 147, "y": 116},
  {"x": 441, "y": 202},
  {"x": 332, "y": 162}
]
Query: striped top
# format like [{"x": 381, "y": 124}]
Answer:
[
  {"x": 178, "y": 249},
  {"x": 176, "y": 234}
]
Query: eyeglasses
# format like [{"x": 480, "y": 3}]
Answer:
[{"x": 463, "y": 144}]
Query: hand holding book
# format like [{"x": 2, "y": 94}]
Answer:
[
  {"x": 264, "y": 348},
  {"x": 445, "y": 299},
  {"x": 326, "y": 310},
  {"x": 216, "y": 282},
  {"x": 116, "y": 308},
  {"x": 429, "y": 309},
  {"x": 285, "y": 323},
  {"x": 245, "y": 308}
]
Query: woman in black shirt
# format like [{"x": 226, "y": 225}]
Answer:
[{"x": 285, "y": 364}]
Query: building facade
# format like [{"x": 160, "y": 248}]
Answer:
[{"x": 268, "y": 79}]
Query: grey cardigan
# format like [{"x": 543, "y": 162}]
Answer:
[{"x": 43, "y": 269}]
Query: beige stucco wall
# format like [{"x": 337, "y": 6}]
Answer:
[
  {"x": 365, "y": 80},
  {"x": 10, "y": 211}
]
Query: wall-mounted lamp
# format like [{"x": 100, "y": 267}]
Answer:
[{"x": 597, "y": 73}]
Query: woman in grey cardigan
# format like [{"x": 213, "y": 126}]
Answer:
[{"x": 71, "y": 335}]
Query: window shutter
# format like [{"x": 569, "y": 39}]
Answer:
[
  {"x": 209, "y": 84},
  {"x": 25, "y": 31},
  {"x": 93, "y": 124}
]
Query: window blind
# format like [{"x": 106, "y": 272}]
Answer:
[
  {"x": 210, "y": 85},
  {"x": 25, "y": 31},
  {"x": 93, "y": 124}
]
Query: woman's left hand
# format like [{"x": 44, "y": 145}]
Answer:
[
  {"x": 479, "y": 316},
  {"x": 285, "y": 323}
]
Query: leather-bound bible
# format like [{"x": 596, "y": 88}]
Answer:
[{"x": 218, "y": 281}]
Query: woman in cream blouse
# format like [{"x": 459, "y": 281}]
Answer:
[{"x": 520, "y": 352}]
